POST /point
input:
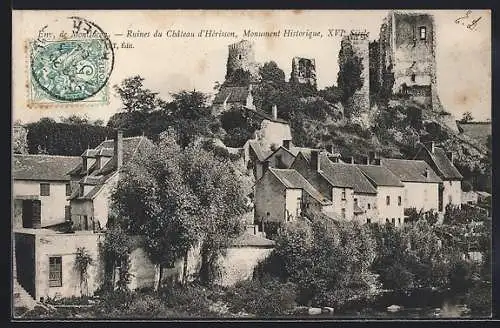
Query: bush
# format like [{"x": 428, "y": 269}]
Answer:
[
  {"x": 466, "y": 186},
  {"x": 269, "y": 298},
  {"x": 146, "y": 305},
  {"x": 191, "y": 298}
]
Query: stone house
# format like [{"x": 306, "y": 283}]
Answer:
[
  {"x": 40, "y": 188},
  {"x": 230, "y": 97},
  {"x": 421, "y": 183},
  {"x": 343, "y": 184},
  {"x": 283, "y": 195},
  {"x": 45, "y": 262},
  {"x": 450, "y": 189},
  {"x": 389, "y": 205},
  {"x": 94, "y": 178}
]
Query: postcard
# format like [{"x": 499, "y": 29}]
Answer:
[{"x": 251, "y": 164}]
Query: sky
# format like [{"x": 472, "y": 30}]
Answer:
[{"x": 171, "y": 64}]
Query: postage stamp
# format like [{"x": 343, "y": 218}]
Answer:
[{"x": 69, "y": 62}]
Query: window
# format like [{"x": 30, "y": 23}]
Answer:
[
  {"x": 423, "y": 33},
  {"x": 450, "y": 199},
  {"x": 356, "y": 201},
  {"x": 368, "y": 205},
  {"x": 393, "y": 221},
  {"x": 399, "y": 220},
  {"x": 67, "y": 213},
  {"x": 343, "y": 194},
  {"x": 386, "y": 220},
  {"x": 44, "y": 189},
  {"x": 55, "y": 271},
  {"x": 413, "y": 77},
  {"x": 399, "y": 201},
  {"x": 388, "y": 200},
  {"x": 368, "y": 221},
  {"x": 343, "y": 213},
  {"x": 68, "y": 189}
]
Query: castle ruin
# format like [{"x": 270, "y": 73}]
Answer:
[
  {"x": 242, "y": 56},
  {"x": 407, "y": 50},
  {"x": 303, "y": 71}
]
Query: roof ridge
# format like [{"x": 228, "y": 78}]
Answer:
[{"x": 47, "y": 155}]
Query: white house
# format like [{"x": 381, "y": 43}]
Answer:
[
  {"x": 450, "y": 191},
  {"x": 40, "y": 189},
  {"x": 421, "y": 183}
]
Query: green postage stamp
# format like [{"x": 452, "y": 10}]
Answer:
[{"x": 69, "y": 63}]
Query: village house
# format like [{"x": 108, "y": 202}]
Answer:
[
  {"x": 40, "y": 189},
  {"x": 389, "y": 206},
  {"x": 450, "y": 189},
  {"x": 421, "y": 183},
  {"x": 230, "y": 97},
  {"x": 96, "y": 175},
  {"x": 352, "y": 195},
  {"x": 283, "y": 195}
]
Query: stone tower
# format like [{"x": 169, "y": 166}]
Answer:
[
  {"x": 359, "y": 43},
  {"x": 407, "y": 50},
  {"x": 303, "y": 71},
  {"x": 242, "y": 56}
]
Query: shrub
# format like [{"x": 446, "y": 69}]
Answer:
[
  {"x": 147, "y": 305},
  {"x": 191, "y": 298},
  {"x": 268, "y": 298}
]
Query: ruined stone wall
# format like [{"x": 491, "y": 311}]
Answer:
[
  {"x": 303, "y": 71},
  {"x": 242, "y": 56}
]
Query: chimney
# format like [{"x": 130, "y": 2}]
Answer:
[
  {"x": 286, "y": 144},
  {"x": 450, "y": 156},
  {"x": 118, "y": 149},
  {"x": 265, "y": 167},
  {"x": 315, "y": 160},
  {"x": 275, "y": 112},
  {"x": 430, "y": 145},
  {"x": 372, "y": 155}
]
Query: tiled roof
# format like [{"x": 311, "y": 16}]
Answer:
[
  {"x": 43, "y": 167},
  {"x": 304, "y": 150},
  {"x": 443, "y": 164},
  {"x": 293, "y": 179},
  {"x": 261, "y": 153},
  {"x": 232, "y": 94},
  {"x": 345, "y": 176},
  {"x": 249, "y": 240},
  {"x": 410, "y": 170},
  {"x": 380, "y": 176},
  {"x": 265, "y": 116},
  {"x": 131, "y": 146}
]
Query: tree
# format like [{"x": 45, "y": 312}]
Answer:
[
  {"x": 19, "y": 139},
  {"x": 75, "y": 119},
  {"x": 135, "y": 97},
  {"x": 270, "y": 72},
  {"x": 237, "y": 78},
  {"x": 82, "y": 262},
  {"x": 466, "y": 117},
  {"x": 177, "y": 198},
  {"x": 156, "y": 203}
]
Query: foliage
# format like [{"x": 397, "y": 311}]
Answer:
[
  {"x": 116, "y": 248},
  {"x": 464, "y": 214},
  {"x": 239, "y": 127},
  {"x": 135, "y": 97},
  {"x": 77, "y": 120},
  {"x": 466, "y": 117},
  {"x": 262, "y": 298},
  {"x": 237, "y": 78},
  {"x": 63, "y": 138},
  {"x": 176, "y": 198},
  {"x": 412, "y": 215},
  {"x": 349, "y": 75},
  {"x": 19, "y": 139},
  {"x": 270, "y": 72},
  {"x": 327, "y": 260},
  {"x": 466, "y": 186},
  {"x": 82, "y": 262}
]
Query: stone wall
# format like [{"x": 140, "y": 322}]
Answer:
[
  {"x": 303, "y": 71},
  {"x": 242, "y": 56}
]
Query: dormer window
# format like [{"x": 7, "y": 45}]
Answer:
[{"x": 422, "y": 32}]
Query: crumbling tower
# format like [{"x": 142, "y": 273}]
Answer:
[
  {"x": 303, "y": 71},
  {"x": 407, "y": 50},
  {"x": 242, "y": 56},
  {"x": 359, "y": 43}
]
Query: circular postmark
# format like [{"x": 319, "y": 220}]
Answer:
[{"x": 71, "y": 59}]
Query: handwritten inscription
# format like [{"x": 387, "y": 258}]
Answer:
[{"x": 468, "y": 20}]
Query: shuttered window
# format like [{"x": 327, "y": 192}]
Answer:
[
  {"x": 44, "y": 189},
  {"x": 55, "y": 271}
]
